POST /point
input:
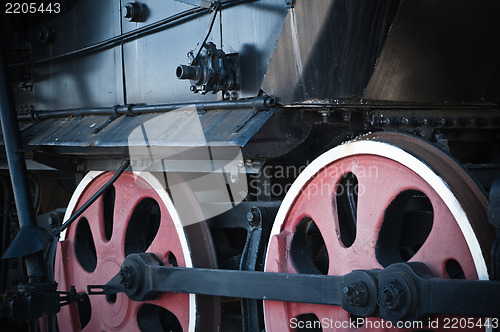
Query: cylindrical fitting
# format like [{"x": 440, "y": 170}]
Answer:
[
  {"x": 134, "y": 11},
  {"x": 184, "y": 72},
  {"x": 270, "y": 102}
]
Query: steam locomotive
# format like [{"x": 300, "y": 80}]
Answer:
[{"x": 250, "y": 165}]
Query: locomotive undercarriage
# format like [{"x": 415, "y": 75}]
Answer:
[
  {"x": 239, "y": 237},
  {"x": 342, "y": 175}
]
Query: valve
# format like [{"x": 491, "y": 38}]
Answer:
[{"x": 211, "y": 71}]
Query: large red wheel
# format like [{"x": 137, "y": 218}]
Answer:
[
  {"x": 135, "y": 215},
  {"x": 382, "y": 199}
]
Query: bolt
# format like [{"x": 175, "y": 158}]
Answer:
[
  {"x": 126, "y": 278},
  {"x": 234, "y": 95},
  {"x": 440, "y": 122},
  {"x": 346, "y": 116},
  {"x": 422, "y": 122},
  {"x": 123, "y": 276},
  {"x": 390, "y": 297},
  {"x": 53, "y": 219},
  {"x": 348, "y": 290},
  {"x": 325, "y": 116},
  {"x": 387, "y": 297},
  {"x": 190, "y": 56},
  {"x": 254, "y": 217},
  {"x": 134, "y": 11},
  {"x": 46, "y": 34},
  {"x": 402, "y": 121},
  {"x": 356, "y": 294},
  {"x": 383, "y": 121}
]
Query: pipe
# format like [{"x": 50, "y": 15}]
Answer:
[
  {"x": 258, "y": 103},
  {"x": 29, "y": 232},
  {"x": 184, "y": 72},
  {"x": 5, "y": 230}
]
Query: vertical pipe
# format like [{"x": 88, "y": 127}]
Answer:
[
  {"x": 17, "y": 165},
  {"x": 5, "y": 231}
]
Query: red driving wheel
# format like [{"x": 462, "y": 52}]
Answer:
[
  {"x": 135, "y": 215},
  {"x": 381, "y": 199}
]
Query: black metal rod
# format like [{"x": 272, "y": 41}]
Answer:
[
  {"x": 259, "y": 103},
  {"x": 302, "y": 288},
  {"x": 460, "y": 297},
  {"x": 17, "y": 165},
  {"x": 397, "y": 292},
  {"x": 5, "y": 230},
  {"x": 436, "y": 296},
  {"x": 92, "y": 199}
]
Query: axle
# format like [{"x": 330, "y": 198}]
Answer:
[{"x": 403, "y": 291}]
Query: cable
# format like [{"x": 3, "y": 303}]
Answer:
[
  {"x": 215, "y": 9},
  {"x": 126, "y": 37},
  {"x": 50, "y": 253},
  {"x": 123, "y": 167}
]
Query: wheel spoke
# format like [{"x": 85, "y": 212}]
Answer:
[
  {"x": 443, "y": 244},
  {"x": 93, "y": 214},
  {"x": 375, "y": 193},
  {"x": 397, "y": 214},
  {"x": 166, "y": 244},
  {"x": 130, "y": 217},
  {"x": 123, "y": 208},
  {"x": 317, "y": 204}
]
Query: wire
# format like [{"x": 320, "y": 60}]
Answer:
[
  {"x": 123, "y": 167},
  {"x": 50, "y": 253},
  {"x": 126, "y": 37},
  {"x": 216, "y": 8}
]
